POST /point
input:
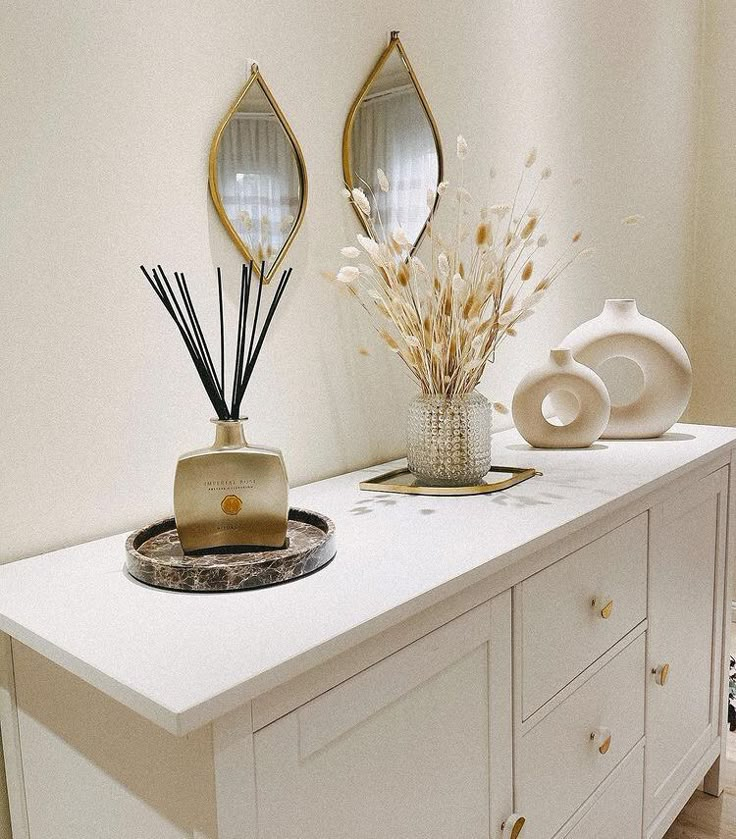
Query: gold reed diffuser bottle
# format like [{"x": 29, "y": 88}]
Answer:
[{"x": 230, "y": 495}]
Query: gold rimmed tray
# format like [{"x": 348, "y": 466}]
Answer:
[{"x": 403, "y": 481}]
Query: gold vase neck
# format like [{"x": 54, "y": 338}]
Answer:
[{"x": 229, "y": 434}]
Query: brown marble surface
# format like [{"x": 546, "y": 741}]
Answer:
[{"x": 155, "y": 557}]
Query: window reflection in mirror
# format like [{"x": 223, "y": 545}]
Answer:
[
  {"x": 391, "y": 130},
  {"x": 259, "y": 175}
]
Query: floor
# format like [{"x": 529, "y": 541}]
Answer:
[{"x": 705, "y": 817}]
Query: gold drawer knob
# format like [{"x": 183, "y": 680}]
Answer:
[
  {"x": 661, "y": 674},
  {"x": 602, "y": 739},
  {"x": 513, "y": 826},
  {"x": 603, "y": 606}
]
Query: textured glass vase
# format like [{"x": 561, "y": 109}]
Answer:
[{"x": 449, "y": 439}]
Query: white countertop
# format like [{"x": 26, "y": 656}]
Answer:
[{"x": 182, "y": 659}]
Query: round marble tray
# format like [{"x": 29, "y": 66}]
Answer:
[{"x": 155, "y": 557}]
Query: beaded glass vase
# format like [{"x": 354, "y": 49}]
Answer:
[{"x": 449, "y": 439}]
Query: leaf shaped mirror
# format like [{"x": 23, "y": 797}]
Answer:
[
  {"x": 390, "y": 127},
  {"x": 257, "y": 176}
]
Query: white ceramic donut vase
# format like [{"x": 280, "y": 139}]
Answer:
[
  {"x": 581, "y": 386},
  {"x": 621, "y": 331}
]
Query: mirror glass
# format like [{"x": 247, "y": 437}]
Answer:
[
  {"x": 257, "y": 176},
  {"x": 391, "y": 127}
]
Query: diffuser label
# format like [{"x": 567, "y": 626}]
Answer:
[
  {"x": 231, "y": 485},
  {"x": 231, "y": 505}
]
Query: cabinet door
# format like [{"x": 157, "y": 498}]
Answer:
[
  {"x": 686, "y": 566},
  {"x": 418, "y": 746}
]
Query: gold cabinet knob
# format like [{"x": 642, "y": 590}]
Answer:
[
  {"x": 601, "y": 737},
  {"x": 661, "y": 674},
  {"x": 603, "y": 606},
  {"x": 513, "y": 826}
]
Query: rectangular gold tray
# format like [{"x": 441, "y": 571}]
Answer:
[{"x": 403, "y": 481}]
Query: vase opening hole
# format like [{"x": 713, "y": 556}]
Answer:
[
  {"x": 624, "y": 380},
  {"x": 560, "y": 407}
]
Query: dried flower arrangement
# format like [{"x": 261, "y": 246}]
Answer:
[{"x": 446, "y": 319}]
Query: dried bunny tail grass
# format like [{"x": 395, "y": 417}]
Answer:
[
  {"x": 443, "y": 265},
  {"x": 483, "y": 235},
  {"x": 472, "y": 307},
  {"x": 529, "y": 227},
  {"x": 347, "y": 274},
  {"x": 389, "y": 339},
  {"x": 402, "y": 275},
  {"x": 400, "y": 238},
  {"x": 361, "y": 201},
  {"x": 446, "y": 318}
]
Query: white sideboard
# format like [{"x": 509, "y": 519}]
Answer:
[{"x": 545, "y": 662}]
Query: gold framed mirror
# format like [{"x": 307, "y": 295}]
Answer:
[
  {"x": 390, "y": 127},
  {"x": 257, "y": 176}
]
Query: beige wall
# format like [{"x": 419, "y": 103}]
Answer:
[
  {"x": 714, "y": 280},
  {"x": 108, "y": 110}
]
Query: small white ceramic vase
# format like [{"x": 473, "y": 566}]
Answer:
[
  {"x": 621, "y": 331},
  {"x": 581, "y": 386}
]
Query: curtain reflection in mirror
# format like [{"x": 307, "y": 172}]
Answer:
[
  {"x": 259, "y": 182},
  {"x": 391, "y": 131}
]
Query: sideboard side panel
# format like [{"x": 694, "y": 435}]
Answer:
[
  {"x": 11, "y": 742},
  {"x": 500, "y": 712},
  {"x": 94, "y": 769},
  {"x": 713, "y": 783},
  {"x": 235, "y": 781}
]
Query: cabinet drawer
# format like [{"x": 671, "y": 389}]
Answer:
[
  {"x": 562, "y": 629},
  {"x": 615, "y": 810},
  {"x": 558, "y": 765}
]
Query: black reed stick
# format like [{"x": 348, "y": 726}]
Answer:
[
  {"x": 184, "y": 315},
  {"x": 168, "y": 298},
  {"x": 253, "y": 357},
  {"x": 255, "y": 317},
  {"x": 267, "y": 323},
  {"x": 210, "y": 376},
  {"x": 222, "y": 328},
  {"x": 200, "y": 335},
  {"x": 242, "y": 324}
]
